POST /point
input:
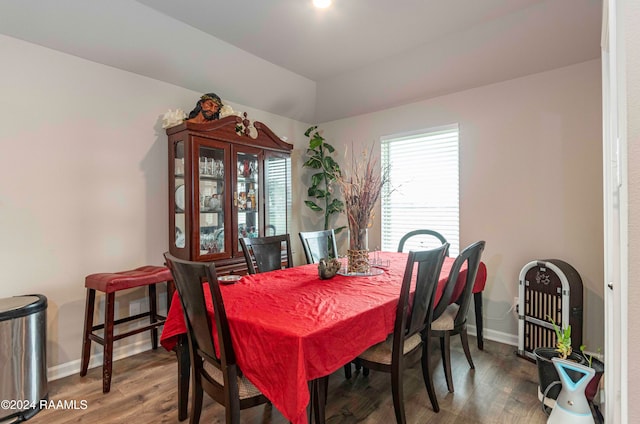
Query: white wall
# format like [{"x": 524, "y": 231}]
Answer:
[
  {"x": 84, "y": 180},
  {"x": 530, "y": 177}
]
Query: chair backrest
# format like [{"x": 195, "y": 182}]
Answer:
[
  {"x": 264, "y": 254},
  {"x": 413, "y": 316},
  {"x": 188, "y": 278},
  {"x": 318, "y": 245},
  {"x": 270, "y": 230},
  {"x": 471, "y": 255},
  {"x": 421, "y": 239}
]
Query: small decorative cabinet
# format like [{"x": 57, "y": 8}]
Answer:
[{"x": 227, "y": 179}]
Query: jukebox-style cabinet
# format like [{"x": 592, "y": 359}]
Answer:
[{"x": 227, "y": 179}]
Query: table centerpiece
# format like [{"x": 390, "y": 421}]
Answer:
[{"x": 361, "y": 187}]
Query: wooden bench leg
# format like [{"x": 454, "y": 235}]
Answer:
[
  {"x": 153, "y": 316},
  {"x": 88, "y": 327},
  {"x": 477, "y": 304},
  {"x": 107, "y": 363}
]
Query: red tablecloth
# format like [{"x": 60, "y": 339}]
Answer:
[{"x": 290, "y": 327}]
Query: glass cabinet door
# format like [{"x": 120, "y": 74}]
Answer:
[
  {"x": 211, "y": 208},
  {"x": 247, "y": 194},
  {"x": 179, "y": 196}
]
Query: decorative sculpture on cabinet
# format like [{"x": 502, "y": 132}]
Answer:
[{"x": 207, "y": 109}]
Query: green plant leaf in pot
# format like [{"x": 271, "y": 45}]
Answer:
[{"x": 318, "y": 157}]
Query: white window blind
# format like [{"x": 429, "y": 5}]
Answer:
[
  {"x": 278, "y": 195},
  {"x": 423, "y": 189}
]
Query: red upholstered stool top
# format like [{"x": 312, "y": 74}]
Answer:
[
  {"x": 481, "y": 278},
  {"x": 143, "y": 276}
]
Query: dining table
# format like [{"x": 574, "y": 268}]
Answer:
[{"x": 290, "y": 328}]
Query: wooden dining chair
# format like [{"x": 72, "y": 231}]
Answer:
[
  {"x": 264, "y": 254},
  {"x": 411, "y": 329},
  {"x": 318, "y": 245},
  {"x": 214, "y": 370},
  {"x": 450, "y": 314},
  {"x": 421, "y": 239},
  {"x": 426, "y": 239}
]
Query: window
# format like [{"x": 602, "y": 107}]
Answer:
[
  {"x": 278, "y": 194},
  {"x": 423, "y": 188}
]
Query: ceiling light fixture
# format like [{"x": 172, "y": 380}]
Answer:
[{"x": 322, "y": 4}]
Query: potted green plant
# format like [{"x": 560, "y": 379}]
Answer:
[
  {"x": 319, "y": 158},
  {"x": 547, "y": 374}
]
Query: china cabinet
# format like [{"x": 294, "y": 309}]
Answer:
[{"x": 228, "y": 178}]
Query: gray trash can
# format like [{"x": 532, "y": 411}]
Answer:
[{"x": 23, "y": 360}]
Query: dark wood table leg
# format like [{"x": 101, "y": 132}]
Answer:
[
  {"x": 477, "y": 302},
  {"x": 318, "y": 399},
  {"x": 184, "y": 373}
]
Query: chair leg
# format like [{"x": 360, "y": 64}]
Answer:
[
  {"x": 107, "y": 363},
  {"x": 184, "y": 370},
  {"x": 445, "y": 347},
  {"x": 426, "y": 373},
  {"x": 477, "y": 305},
  {"x": 465, "y": 346},
  {"x": 196, "y": 402},
  {"x": 153, "y": 315},
  {"x": 88, "y": 328},
  {"x": 358, "y": 366},
  {"x": 347, "y": 371},
  {"x": 397, "y": 393},
  {"x": 326, "y": 393}
]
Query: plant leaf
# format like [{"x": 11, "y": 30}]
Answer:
[
  {"x": 308, "y": 131},
  {"x": 316, "y": 179},
  {"x": 338, "y": 230},
  {"x": 330, "y": 165},
  {"x": 315, "y": 142},
  {"x": 335, "y": 206},
  {"x": 313, "y": 206},
  {"x": 329, "y": 147},
  {"x": 320, "y": 194},
  {"x": 313, "y": 163}
]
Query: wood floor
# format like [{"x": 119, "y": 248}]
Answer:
[{"x": 502, "y": 389}]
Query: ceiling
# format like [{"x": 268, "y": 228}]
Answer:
[{"x": 288, "y": 58}]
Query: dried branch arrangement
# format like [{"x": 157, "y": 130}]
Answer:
[{"x": 361, "y": 189}]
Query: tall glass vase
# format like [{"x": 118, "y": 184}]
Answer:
[{"x": 358, "y": 252}]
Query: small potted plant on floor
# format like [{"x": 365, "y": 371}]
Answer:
[{"x": 547, "y": 374}]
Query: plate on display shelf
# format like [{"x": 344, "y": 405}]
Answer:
[
  {"x": 180, "y": 197},
  {"x": 229, "y": 279},
  {"x": 372, "y": 272},
  {"x": 180, "y": 241}
]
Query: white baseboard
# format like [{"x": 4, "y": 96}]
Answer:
[
  {"x": 496, "y": 336},
  {"x": 73, "y": 367}
]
